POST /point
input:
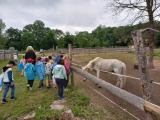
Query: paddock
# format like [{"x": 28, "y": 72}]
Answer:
[{"x": 132, "y": 85}]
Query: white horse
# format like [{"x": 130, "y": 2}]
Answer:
[{"x": 111, "y": 65}]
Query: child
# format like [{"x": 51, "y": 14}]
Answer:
[
  {"x": 48, "y": 72},
  {"x": 29, "y": 70},
  {"x": 56, "y": 60},
  {"x": 60, "y": 75},
  {"x": 50, "y": 59},
  {"x": 8, "y": 81},
  {"x": 66, "y": 65},
  {"x": 23, "y": 61},
  {"x": 40, "y": 71},
  {"x": 15, "y": 58},
  {"x": 43, "y": 59}
]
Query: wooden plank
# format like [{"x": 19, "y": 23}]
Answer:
[{"x": 152, "y": 107}]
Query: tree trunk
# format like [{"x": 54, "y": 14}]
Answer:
[
  {"x": 151, "y": 38},
  {"x": 143, "y": 69},
  {"x": 151, "y": 54}
]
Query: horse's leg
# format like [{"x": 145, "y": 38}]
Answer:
[
  {"x": 118, "y": 81},
  {"x": 121, "y": 81},
  {"x": 98, "y": 75},
  {"x": 84, "y": 79},
  {"x": 118, "y": 78}
]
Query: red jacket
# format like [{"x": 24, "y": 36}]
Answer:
[{"x": 66, "y": 65}]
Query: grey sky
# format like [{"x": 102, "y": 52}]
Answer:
[{"x": 67, "y": 15}]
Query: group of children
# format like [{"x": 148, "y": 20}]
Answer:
[{"x": 43, "y": 69}]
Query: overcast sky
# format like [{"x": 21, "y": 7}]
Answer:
[{"x": 67, "y": 15}]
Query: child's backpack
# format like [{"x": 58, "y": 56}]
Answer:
[
  {"x": 20, "y": 66},
  {"x": 1, "y": 81}
]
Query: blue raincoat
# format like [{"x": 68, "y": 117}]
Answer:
[
  {"x": 29, "y": 70},
  {"x": 55, "y": 61},
  {"x": 40, "y": 70}
]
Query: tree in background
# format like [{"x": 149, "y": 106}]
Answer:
[
  {"x": 68, "y": 39},
  {"x": 14, "y": 38},
  {"x": 139, "y": 10},
  {"x": 2, "y": 38},
  {"x": 39, "y": 36},
  {"x": 82, "y": 39}
]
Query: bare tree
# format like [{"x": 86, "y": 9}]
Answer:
[{"x": 138, "y": 10}]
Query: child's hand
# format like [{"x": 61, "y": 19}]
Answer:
[{"x": 12, "y": 84}]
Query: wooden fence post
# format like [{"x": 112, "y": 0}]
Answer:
[
  {"x": 70, "y": 60},
  {"x": 57, "y": 50},
  {"x": 143, "y": 68}
]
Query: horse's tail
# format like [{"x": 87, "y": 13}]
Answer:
[{"x": 124, "y": 73}]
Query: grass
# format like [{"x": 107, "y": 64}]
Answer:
[
  {"x": 79, "y": 103},
  {"x": 156, "y": 52},
  {"x": 40, "y": 100}
]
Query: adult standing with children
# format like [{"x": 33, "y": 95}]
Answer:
[
  {"x": 30, "y": 53},
  {"x": 60, "y": 75}
]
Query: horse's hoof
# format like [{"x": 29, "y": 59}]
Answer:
[
  {"x": 99, "y": 86},
  {"x": 84, "y": 80},
  {"x": 96, "y": 83}
]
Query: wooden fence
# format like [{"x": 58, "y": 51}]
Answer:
[
  {"x": 94, "y": 50},
  {"x": 7, "y": 54},
  {"x": 130, "y": 98}
]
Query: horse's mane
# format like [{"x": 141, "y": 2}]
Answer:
[{"x": 92, "y": 62}]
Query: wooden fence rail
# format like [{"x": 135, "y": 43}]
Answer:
[
  {"x": 130, "y": 98},
  {"x": 95, "y": 50}
]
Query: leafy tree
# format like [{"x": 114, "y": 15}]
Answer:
[
  {"x": 61, "y": 43},
  {"x": 82, "y": 39},
  {"x": 28, "y": 39},
  {"x": 49, "y": 39},
  {"x": 37, "y": 28},
  {"x": 58, "y": 34},
  {"x": 68, "y": 39},
  {"x": 14, "y": 38}
]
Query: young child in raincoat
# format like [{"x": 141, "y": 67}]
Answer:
[
  {"x": 40, "y": 71},
  {"x": 29, "y": 70}
]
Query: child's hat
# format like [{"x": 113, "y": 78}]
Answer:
[{"x": 30, "y": 60}]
